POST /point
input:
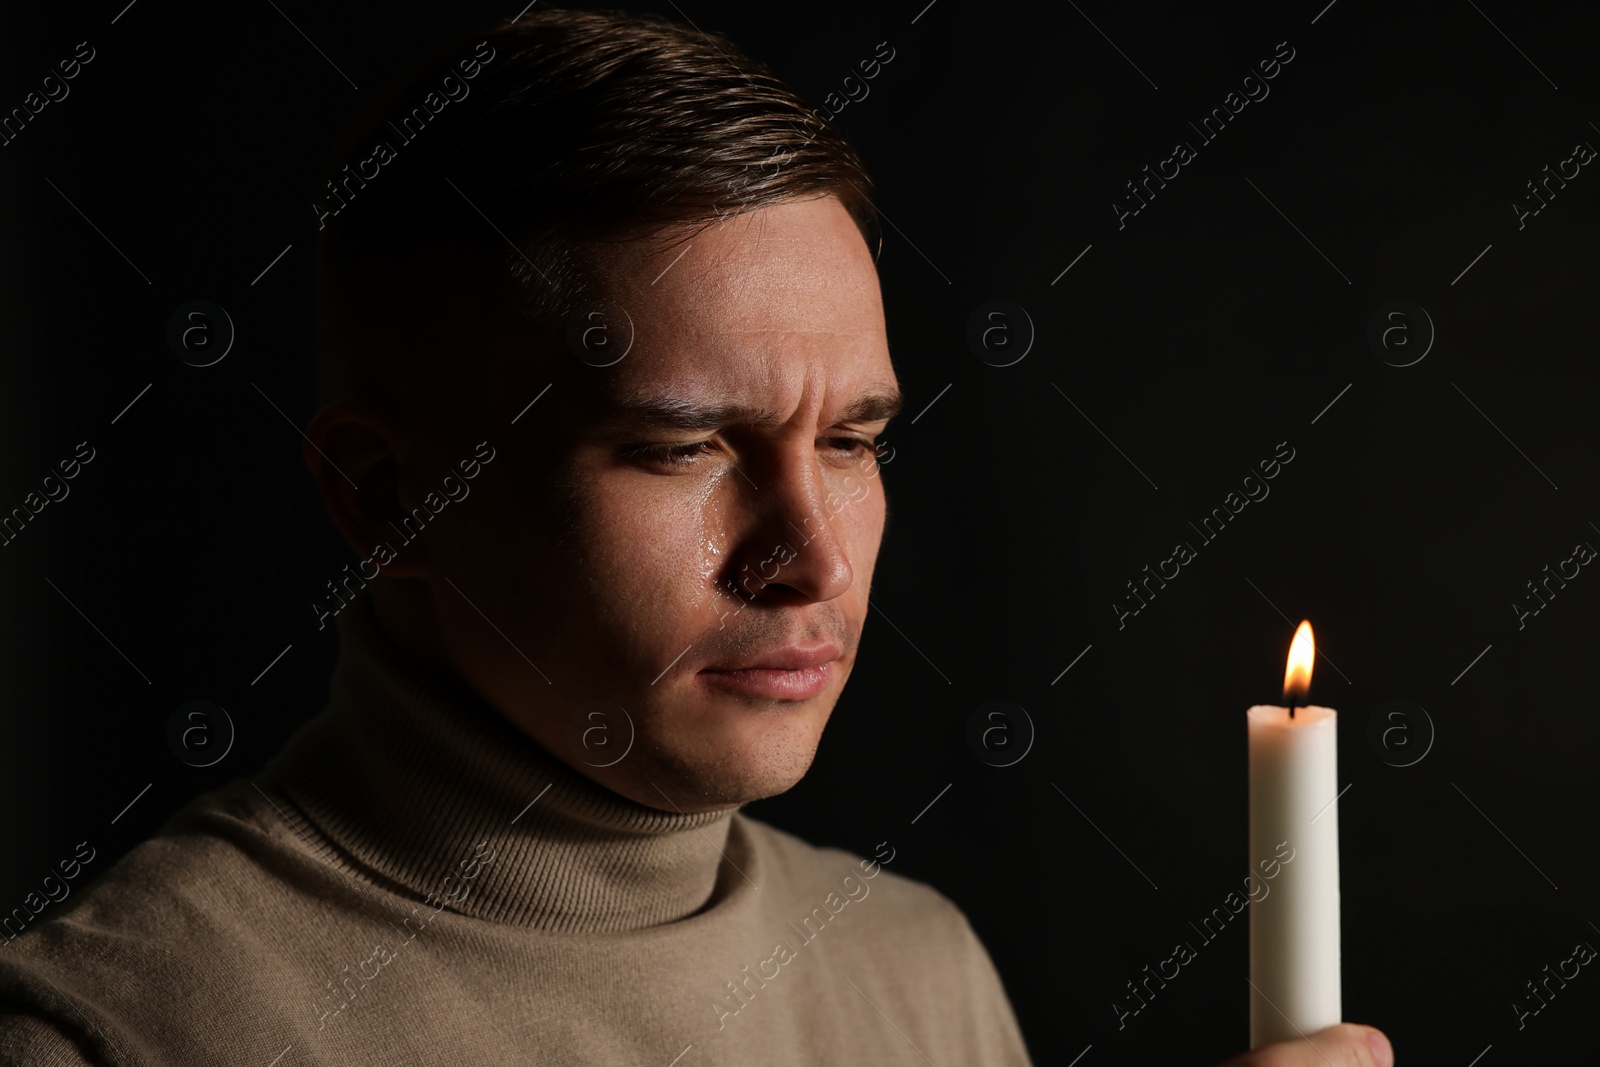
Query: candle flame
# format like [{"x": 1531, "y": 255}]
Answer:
[{"x": 1302, "y": 654}]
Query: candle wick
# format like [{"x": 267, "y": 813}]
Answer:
[{"x": 1291, "y": 711}]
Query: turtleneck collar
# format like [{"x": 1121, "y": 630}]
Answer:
[{"x": 407, "y": 777}]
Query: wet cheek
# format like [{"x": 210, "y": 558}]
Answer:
[
  {"x": 713, "y": 549},
  {"x": 649, "y": 549}
]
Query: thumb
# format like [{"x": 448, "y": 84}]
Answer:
[{"x": 1341, "y": 1045}]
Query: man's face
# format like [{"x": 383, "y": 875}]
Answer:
[{"x": 680, "y": 550}]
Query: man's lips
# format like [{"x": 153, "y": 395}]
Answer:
[
  {"x": 787, "y": 658},
  {"x": 801, "y": 684},
  {"x": 789, "y": 673}
]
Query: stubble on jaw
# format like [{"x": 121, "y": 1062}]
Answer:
[{"x": 718, "y": 780}]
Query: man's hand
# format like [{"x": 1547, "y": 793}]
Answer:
[{"x": 1343, "y": 1045}]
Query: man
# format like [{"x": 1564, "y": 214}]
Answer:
[{"x": 603, "y": 380}]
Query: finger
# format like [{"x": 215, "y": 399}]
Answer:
[{"x": 1341, "y": 1045}]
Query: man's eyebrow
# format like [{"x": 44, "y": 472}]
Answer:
[
  {"x": 692, "y": 415},
  {"x": 873, "y": 407}
]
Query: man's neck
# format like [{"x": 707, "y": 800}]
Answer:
[
  {"x": 409, "y": 775},
  {"x": 403, "y": 608}
]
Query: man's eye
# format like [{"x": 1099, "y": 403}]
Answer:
[
  {"x": 854, "y": 446},
  {"x": 687, "y": 455},
  {"x": 672, "y": 455}
]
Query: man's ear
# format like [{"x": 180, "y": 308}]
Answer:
[{"x": 353, "y": 455}]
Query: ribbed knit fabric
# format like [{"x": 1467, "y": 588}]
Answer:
[
  {"x": 414, "y": 881},
  {"x": 407, "y": 774}
]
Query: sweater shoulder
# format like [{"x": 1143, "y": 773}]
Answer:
[
  {"x": 910, "y": 948},
  {"x": 125, "y": 941},
  {"x": 814, "y": 870},
  {"x": 200, "y": 865}
]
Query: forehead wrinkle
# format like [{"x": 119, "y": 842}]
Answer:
[
  {"x": 763, "y": 312},
  {"x": 874, "y": 401},
  {"x": 763, "y": 275}
]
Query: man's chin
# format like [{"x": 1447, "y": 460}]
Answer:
[
  {"x": 719, "y": 768},
  {"x": 711, "y": 794}
]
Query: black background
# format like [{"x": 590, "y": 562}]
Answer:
[{"x": 1219, "y": 321}]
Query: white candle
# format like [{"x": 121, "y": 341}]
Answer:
[{"x": 1294, "y": 927}]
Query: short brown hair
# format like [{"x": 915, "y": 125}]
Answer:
[{"x": 558, "y": 131}]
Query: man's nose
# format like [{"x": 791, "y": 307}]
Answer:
[{"x": 795, "y": 539}]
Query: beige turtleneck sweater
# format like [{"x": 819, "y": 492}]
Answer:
[{"x": 414, "y": 881}]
